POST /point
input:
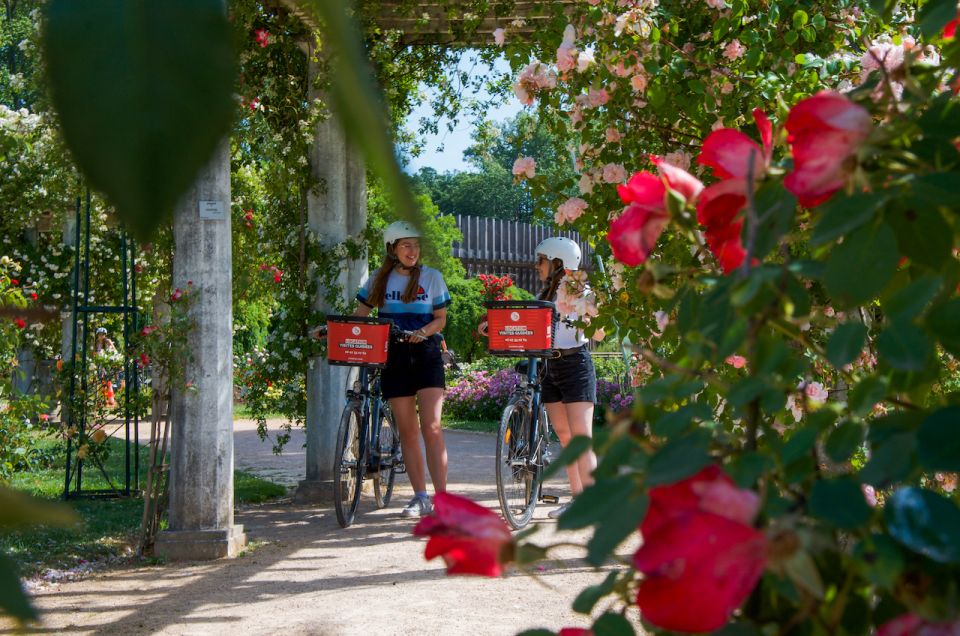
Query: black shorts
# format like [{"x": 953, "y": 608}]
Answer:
[
  {"x": 570, "y": 378},
  {"x": 411, "y": 367}
]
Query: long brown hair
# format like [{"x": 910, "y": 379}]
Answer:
[
  {"x": 549, "y": 291},
  {"x": 378, "y": 290}
]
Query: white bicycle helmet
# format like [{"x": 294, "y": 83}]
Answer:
[
  {"x": 563, "y": 248},
  {"x": 398, "y": 230}
]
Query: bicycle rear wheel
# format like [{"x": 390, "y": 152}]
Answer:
[
  {"x": 349, "y": 466},
  {"x": 390, "y": 449},
  {"x": 518, "y": 474}
]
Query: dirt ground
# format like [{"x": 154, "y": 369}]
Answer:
[{"x": 306, "y": 575}]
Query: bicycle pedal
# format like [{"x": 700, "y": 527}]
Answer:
[
  {"x": 550, "y": 499},
  {"x": 400, "y": 469}
]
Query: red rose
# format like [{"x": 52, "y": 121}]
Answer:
[
  {"x": 176, "y": 295},
  {"x": 262, "y": 37},
  {"x": 14, "y": 282},
  {"x": 728, "y": 152},
  {"x": 825, "y": 132},
  {"x": 699, "y": 550},
  {"x": 950, "y": 30},
  {"x": 575, "y": 631},
  {"x": 20, "y": 323},
  {"x": 634, "y": 234},
  {"x": 913, "y": 625},
  {"x": 470, "y": 538}
]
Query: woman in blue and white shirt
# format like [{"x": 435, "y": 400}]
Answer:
[{"x": 415, "y": 298}]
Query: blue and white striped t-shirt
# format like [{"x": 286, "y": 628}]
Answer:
[{"x": 431, "y": 296}]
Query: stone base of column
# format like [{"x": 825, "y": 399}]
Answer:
[
  {"x": 200, "y": 545},
  {"x": 314, "y": 491}
]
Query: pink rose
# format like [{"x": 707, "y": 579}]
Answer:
[
  {"x": 734, "y": 50},
  {"x": 525, "y": 167},
  {"x": 570, "y": 210},
  {"x": 737, "y": 362},
  {"x": 499, "y": 37},
  {"x": 614, "y": 173}
]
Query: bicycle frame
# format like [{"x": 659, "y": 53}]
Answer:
[{"x": 366, "y": 391}]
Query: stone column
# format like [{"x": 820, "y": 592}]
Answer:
[
  {"x": 201, "y": 456},
  {"x": 338, "y": 210}
]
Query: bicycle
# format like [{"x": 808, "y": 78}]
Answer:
[
  {"x": 523, "y": 434},
  {"x": 522, "y": 449},
  {"x": 368, "y": 442}
]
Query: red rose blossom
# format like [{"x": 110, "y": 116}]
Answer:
[
  {"x": 20, "y": 323},
  {"x": 699, "y": 551},
  {"x": 634, "y": 234},
  {"x": 914, "y": 625},
  {"x": 470, "y": 538},
  {"x": 825, "y": 132}
]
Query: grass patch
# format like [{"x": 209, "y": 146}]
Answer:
[
  {"x": 242, "y": 412},
  {"x": 481, "y": 426},
  {"x": 109, "y": 526}
]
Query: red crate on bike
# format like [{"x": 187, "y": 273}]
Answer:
[
  {"x": 357, "y": 341},
  {"x": 520, "y": 327}
]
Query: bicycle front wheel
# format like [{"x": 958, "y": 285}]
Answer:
[
  {"x": 518, "y": 474},
  {"x": 349, "y": 466},
  {"x": 389, "y": 457}
]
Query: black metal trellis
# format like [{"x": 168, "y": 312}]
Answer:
[{"x": 76, "y": 411}]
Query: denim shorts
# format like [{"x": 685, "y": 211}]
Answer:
[
  {"x": 570, "y": 378},
  {"x": 411, "y": 367}
]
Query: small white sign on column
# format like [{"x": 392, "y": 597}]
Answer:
[{"x": 212, "y": 210}]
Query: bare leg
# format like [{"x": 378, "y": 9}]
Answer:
[
  {"x": 580, "y": 422},
  {"x": 431, "y": 406},
  {"x": 405, "y": 412},
  {"x": 557, "y": 413}
]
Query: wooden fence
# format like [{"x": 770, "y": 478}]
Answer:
[{"x": 496, "y": 246}]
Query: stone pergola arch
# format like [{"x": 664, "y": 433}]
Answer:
[{"x": 201, "y": 523}]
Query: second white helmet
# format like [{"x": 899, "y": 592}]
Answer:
[
  {"x": 563, "y": 248},
  {"x": 398, "y": 230}
]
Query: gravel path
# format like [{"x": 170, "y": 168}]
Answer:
[{"x": 306, "y": 575}]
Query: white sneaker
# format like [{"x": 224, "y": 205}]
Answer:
[
  {"x": 418, "y": 507},
  {"x": 559, "y": 510}
]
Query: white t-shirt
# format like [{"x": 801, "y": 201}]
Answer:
[{"x": 567, "y": 335}]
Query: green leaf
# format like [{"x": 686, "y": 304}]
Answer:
[
  {"x": 737, "y": 629},
  {"x": 859, "y": 268},
  {"x": 934, "y": 15},
  {"x": 747, "y": 468},
  {"x": 18, "y": 509},
  {"x": 907, "y": 303},
  {"x": 747, "y": 390},
  {"x": 880, "y": 558},
  {"x": 679, "y": 458},
  {"x": 144, "y": 94},
  {"x": 866, "y": 394},
  {"x": 890, "y": 462},
  {"x": 943, "y": 321},
  {"x": 923, "y": 235},
  {"x": 799, "y": 445},
  {"x": 775, "y": 209},
  {"x": 846, "y": 343},
  {"x": 615, "y": 526},
  {"x": 676, "y": 422},
  {"x": 938, "y": 440},
  {"x": 13, "y": 600},
  {"x": 925, "y": 522},
  {"x": 591, "y": 594},
  {"x": 574, "y": 449},
  {"x": 537, "y": 632},
  {"x": 803, "y": 572},
  {"x": 359, "y": 105},
  {"x": 611, "y": 624},
  {"x": 942, "y": 118},
  {"x": 935, "y": 190},
  {"x": 842, "y": 214},
  {"x": 844, "y": 441},
  {"x": 904, "y": 346},
  {"x": 598, "y": 500},
  {"x": 839, "y": 502}
]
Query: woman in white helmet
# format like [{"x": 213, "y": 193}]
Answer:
[
  {"x": 570, "y": 382},
  {"x": 415, "y": 298}
]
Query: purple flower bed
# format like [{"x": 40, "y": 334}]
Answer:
[{"x": 480, "y": 395}]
